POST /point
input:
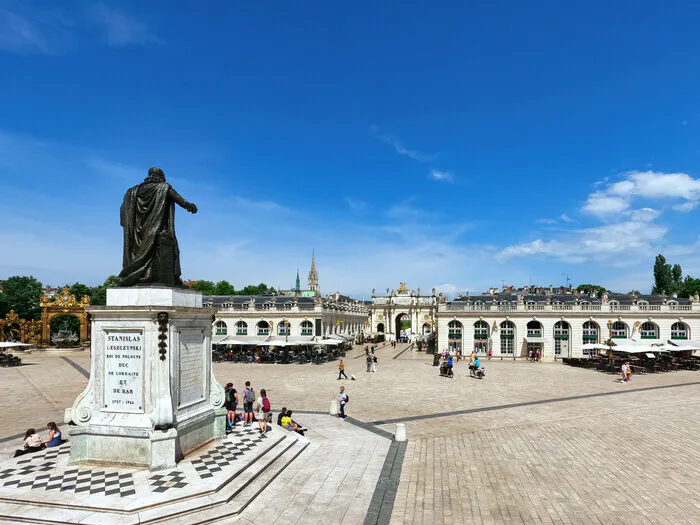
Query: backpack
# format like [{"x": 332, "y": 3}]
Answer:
[
  {"x": 265, "y": 404},
  {"x": 347, "y": 399},
  {"x": 249, "y": 395}
]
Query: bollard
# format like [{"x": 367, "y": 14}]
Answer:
[
  {"x": 400, "y": 433},
  {"x": 335, "y": 407}
]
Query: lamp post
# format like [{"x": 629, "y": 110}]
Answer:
[
  {"x": 285, "y": 322},
  {"x": 610, "y": 342}
]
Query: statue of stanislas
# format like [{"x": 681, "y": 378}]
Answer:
[{"x": 151, "y": 253}]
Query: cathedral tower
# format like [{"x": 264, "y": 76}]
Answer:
[{"x": 313, "y": 276}]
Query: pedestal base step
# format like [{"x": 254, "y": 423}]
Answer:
[{"x": 220, "y": 480}]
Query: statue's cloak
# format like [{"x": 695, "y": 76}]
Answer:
[{"x": 146, "y": 213}]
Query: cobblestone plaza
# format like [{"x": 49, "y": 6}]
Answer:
[{"x": 531, "y": 443}]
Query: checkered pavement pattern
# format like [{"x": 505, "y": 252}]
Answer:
[
  {"x": 78, "y": 481},
  {"x": 49, "y": 454},
  {"x": 171, "y": 480},
  {"x": 241, "y": 440},
  {"x": 27, "y": 469}
]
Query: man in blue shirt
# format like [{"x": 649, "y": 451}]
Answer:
[{"x": 342, "y": 401}]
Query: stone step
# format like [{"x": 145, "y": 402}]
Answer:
[
  {"x": 233, "y": 499},
  {"x": 229, "y": 499}
]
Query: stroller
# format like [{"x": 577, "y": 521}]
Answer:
[{"x": 445, "y": 371}]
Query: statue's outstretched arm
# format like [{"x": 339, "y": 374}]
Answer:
[{"x": 177, "y": 198}]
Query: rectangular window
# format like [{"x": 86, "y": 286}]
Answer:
[
  {"x": 507, "y": 345},
  {"x": 242, "y": 330}
]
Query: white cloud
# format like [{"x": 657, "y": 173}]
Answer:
[
  {"x": 631, "y": 239},
  {"x": 399, "y": 147},
  {"x": 355, "y": 204},
  {"x": 441, "y": 176},
  {"x": 564, "y": 217},
  {"x": 546, "y": 221},
  {"x": 120, "y": 28},
  {"x": 602, "y": 204},
  {"x": 617, "y": 197},
  {"x": 686, "y": 206},
  {"x": 33, "y": 30}
]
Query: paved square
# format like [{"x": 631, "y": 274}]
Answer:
[{"x": 531, "y": 443}]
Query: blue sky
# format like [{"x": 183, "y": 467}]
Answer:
[{"x": 445, "y": 144}]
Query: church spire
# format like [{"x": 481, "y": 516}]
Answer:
[
  {"x": 313, "y": 275},
  {"x": 297, "y": 288}
]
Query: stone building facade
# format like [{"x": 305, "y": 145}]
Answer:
[
  {"x": 558, "y": 325},
  {"x": 251, "y": 318}
]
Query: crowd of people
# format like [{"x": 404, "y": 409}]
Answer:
[{"x": 255, "y": 410}]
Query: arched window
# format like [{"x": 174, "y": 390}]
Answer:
[
  {"x": 283, "y": 328},
  {"x": 454, "y": 335},
  {"x": 561, "y": 338},
  {"x": 454, "y": 330},
  {"x": 642, "y": 303},
  {"x": 221, "y": 328},
  {"x": 619, "y": 330},
  {"x": 241, "y": 328},
  {"x": 307, "y": 328},
  {"x": 590, "y": 336},
  {"x": 614, "y": 303},
  {"x": 263, "y": 328},
  {"x": 380, "y": 328},
  {"x": 481, "y": 330},
  {"x": 649, "y": 330},
  {"x": 534, "y": 329},
  {"x": 427, "y": 328},
  {"x": 507, "y": 337},
  {"x": 679, "y": 331},
  {"x": 287, "y": 306},
  {"x": 267, "y": 305}
]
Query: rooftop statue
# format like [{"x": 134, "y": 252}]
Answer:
[{"x": 151, "y": 252}]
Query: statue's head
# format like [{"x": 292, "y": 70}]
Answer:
[{"x": 155, "y": 175}]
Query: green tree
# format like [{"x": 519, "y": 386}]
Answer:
[
  {"x": 98, "y": 294},
  {"x": 663, "y": 277},
  {"x": 206, "y": 287},
  {"x": 224, "y": 288},
  {"x": 21, "y": 294},
  {"x": 690, "y": 287},
  {"x": 588, "y": 288},
  {"x": 633, "y": 292},
  {"x": 677, "y": 274},
  {"x": 79, "y": 290}
]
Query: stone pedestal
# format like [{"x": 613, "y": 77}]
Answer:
[{"x": 152, "y": 396}]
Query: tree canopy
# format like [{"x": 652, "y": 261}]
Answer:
[
  {"x": 588, "y": 288},
  {"x": 226, "y": 288},
  {"x": 667, "y": 279},
  {"x": 21, "y": 294}
]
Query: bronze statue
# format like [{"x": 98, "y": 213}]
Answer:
[{"x": 151, "y": 253}]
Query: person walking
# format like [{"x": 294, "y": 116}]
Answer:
[
  {"x": 248, "y": 400},
  {"x": 343, "y": 399},
  {"x": 374, "y": 364},
  {"x": 490, "y": 354},
  {"x": 369, "y": 362},
  {"x": 231, "y": 403},
  {"x": 341, "y": 369},
  {"x": 263, "y": 411}
]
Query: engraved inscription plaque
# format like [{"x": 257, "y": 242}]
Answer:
[
  {"x": 123, "y": 386},
  {"x": 191, "y": 376}
]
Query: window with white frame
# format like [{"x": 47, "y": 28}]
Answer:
[
  {"x": 649, "y": 330},
  {"x": 263, "y": 328},
  {"x": 307, "y": 328},
  {"x": 619, "y": 330},
  {"x": 590, "y": 336},
  {"x": 283, "y": 328},
  {"x": 679, "y": 331},
  {"x": 507, "y": 337},
  {"x": 221, "y": 328},
  {"x": 534, "y": 329},
  {"x": 561, "y": 336},
  {"x": 481, "y": 330},
  {"x": 241, "y": 328}
]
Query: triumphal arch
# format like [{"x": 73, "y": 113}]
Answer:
[
  {"x": 404, "y": 313},
  {"x": 64, "y": 303}
]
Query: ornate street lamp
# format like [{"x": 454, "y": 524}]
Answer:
[{"x": 610, "y": 342}]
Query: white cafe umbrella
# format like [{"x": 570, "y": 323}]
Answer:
[{"x": 10, "y": 344}]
